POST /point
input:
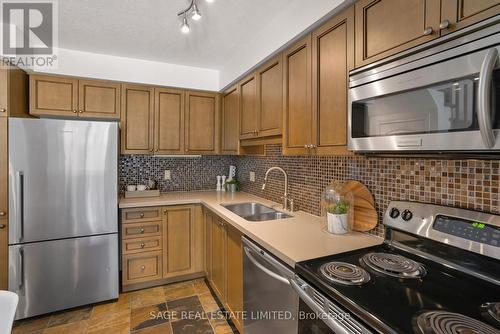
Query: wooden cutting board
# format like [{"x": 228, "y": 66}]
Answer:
[{"x": 365, "y": 215}]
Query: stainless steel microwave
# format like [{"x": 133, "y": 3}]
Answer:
[{"x": 442, "y": 97}]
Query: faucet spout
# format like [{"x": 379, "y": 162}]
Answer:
[{"x": 285, "y": 195}]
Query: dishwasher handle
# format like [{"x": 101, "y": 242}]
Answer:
[{"x": 264, "y": 269}]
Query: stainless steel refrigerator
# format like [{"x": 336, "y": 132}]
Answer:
[{"x": 63, "y": 223}]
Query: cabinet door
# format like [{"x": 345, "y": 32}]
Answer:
[
  {"x": 270, "y": 98},
  {"x": 462, "y": 13},
  {"x": 386, "y": 27},
  {"x": 248, "y": 108},
  {"x": 3, "y": 205},
  {"x": 53, "y": 96},
  {"x": 234, "y": 293},
  {"x": 230, "y": 121},
  {"x": 169, "y": 121},
  {"x": 209, "y": 221},
  {"x": 4, "y": 90},
  {"x": 219, "y": 255},
  {"x": 137, "y": 119},
  {"x": 332, "y": 58},
  {"x": 178, "y": 240},
  {"x": 201, "y": 123},
  {"x": 99, "y": 99},
  {"x": 297, "y": 115}
]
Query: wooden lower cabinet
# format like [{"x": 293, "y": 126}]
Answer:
[
  {"x": 224, "y": 264},
  {"x": 161, "y": 248}
]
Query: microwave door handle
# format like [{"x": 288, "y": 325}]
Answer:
[
  {"x": 264, "y": 269},
  {"x": 484, "y": 92}
]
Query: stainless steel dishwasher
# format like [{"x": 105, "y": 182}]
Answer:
[{"x": 270, "y": 303}]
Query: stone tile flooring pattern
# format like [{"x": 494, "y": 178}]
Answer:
[{"x": 180, "y": 308}]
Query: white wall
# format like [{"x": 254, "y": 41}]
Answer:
[
  {"x": 92, "y": 65},
  {"x": 287, "y": 24}
]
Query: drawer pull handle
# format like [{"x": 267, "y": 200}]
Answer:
[
  {"x": 143, "y": 245},
  {"x": 142, "y": 214},
  {"x": 142, "y": 231},
  {"x": 143, "y": 268}
]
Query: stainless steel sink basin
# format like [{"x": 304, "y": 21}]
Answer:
[{"x": 255, "y": 212}]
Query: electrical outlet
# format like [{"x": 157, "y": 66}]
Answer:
[
  {"x": 168, "y": 175},
  {"x": 252, "y": 176}
]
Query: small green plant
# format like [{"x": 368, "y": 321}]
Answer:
[
  {"x": 233, "y": 181},
  {"x": 339, "y": 208}
]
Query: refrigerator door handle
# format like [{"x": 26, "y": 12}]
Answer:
[
  {"x": 20, "y": 201},
  {"x": 20, "y": 283}
]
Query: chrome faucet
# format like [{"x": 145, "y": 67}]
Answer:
[{"x": 285, "y": 197}]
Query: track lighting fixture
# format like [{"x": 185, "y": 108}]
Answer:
[{"x": 195, "y": 15}]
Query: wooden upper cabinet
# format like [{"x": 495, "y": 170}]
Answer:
[
  {"x": 13, "y": 92},
  {"x": 332, "y": 58},
  {"x": 230, "y": 121},
  {"x": 297, "y": 114},
  {"x": 386, "y": 27},
  {"x": 137, "y": 119},
  {"x": 4, "y": 91},
  {"x": 270, "y": 98},
  {"x": 169, "y": 121},
  {"x": 201, "y": 123},
  {"x": 53, "y": 96},
  {"x": 99, "y": 99},
  {"x": 178, "y": 240},
  {"x": 249, "y": 117},
  {"x": 458, "y": 14}
]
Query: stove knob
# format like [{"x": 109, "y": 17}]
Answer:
[
  {"x": 407, "y": 215},
  {"x": 394, "y": 213}
]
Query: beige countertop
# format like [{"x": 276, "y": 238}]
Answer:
[{"x": 295, "y": 239}]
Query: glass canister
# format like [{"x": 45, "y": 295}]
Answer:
[{"x": 338, "y": 208}]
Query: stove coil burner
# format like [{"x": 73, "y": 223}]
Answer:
[
  {"x": 442, "y": 322},
  {"x": 394, "y": 265},
  {"x": 344, "y": 273}
]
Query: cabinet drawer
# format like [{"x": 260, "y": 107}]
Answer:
[
  {"x": 142, "y": 267},
  {"x": 139, "y": 245},
  {"x": 146, "y": 229},
  {"x": 141, "y": 214}
]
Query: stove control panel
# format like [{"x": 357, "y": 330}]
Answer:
[
  {"x": 473, "y": 231},
  {"x": 467, "y": 229}
]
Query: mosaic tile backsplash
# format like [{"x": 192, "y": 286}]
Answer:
[
  {"x": 186, "y": 173},
  {"x": 472, "y": 184}
]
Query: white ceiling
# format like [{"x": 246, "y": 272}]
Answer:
[{"x": 231, "y": 37}]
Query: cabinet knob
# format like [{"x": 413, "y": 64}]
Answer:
[
  {"x": 142, "y": 214},
  {"x": 444, "y": 24},
  {"x": 142, "y": 245},
  {"x": 2, "y": 226},
  {"x": 142, "y": 231},
  {"x": 165, "y": 211},
  {"x": 428, "y": 31},
  {"x": 80, "y": 111},
  {"x": 3, "y": 213},
  {"x": 75, "y": 111},
  {"x": 143, "y": 268},
  {"x": 3, "y": 110}
]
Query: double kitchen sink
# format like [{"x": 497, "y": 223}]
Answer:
[{"x": 255, "y": 212}]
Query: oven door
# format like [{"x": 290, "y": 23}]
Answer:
[
  {"x": 450, "y": 105},
  {"x": 319, "y": 315}
]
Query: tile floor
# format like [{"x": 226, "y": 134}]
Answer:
[{"x": 179, "y": 308}]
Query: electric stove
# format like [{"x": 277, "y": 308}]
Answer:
[{"x": 438, "y": 271}]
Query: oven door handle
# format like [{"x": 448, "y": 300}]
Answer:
[
  {"x": 484, "y": 92},
  {"x": 335, "y": 326},
  {"x": 264, "y": 269}
]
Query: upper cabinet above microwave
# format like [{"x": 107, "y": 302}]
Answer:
[
  {"x": 386, "y": 27},
  {"x": 70, "y": 97}
]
